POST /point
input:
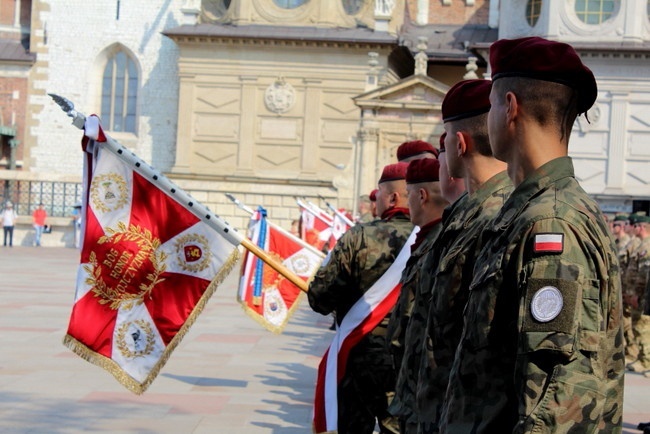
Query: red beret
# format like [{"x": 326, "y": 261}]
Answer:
[
  {"x": 546, "y": 60},
  {"x": 413, "y": 148},
  {"x": 373, "y": 195},
  {"x": 423, "y": 170},
  {"x": 442, "y": 141},
  {"x": 466, "y": 99},
  {"x": 393, "y": 172}
]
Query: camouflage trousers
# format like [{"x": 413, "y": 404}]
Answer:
[
  {"x": 630, "y": 318},
  {"x": 642, "y": 334},
  {"x": 365, "y": 389}
]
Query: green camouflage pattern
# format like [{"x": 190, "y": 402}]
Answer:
[
  {"x": 635, "y": 277},
  {"x": 415, "y": 287},
  {"x": 513, "y": 373},
  {"x": 453, "y": 261},
  {"x": 361, "y": 256},
  {"x": 621, "y": 247},
  {"x": 635, "y": 282}
]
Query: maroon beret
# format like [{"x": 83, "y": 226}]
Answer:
[
  {"x": 442, "y": 141},
  {"x": 413, "y": 148},
  {"x": 423, "y": 170},
  {"x": 546, "y": 60},
  {"x": 393, "y": 172},
  {"x": 373, "y": 195},
  {"x": 466, "y": 99}
]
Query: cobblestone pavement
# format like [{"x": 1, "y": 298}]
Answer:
[{"x": 228, "y": 375}]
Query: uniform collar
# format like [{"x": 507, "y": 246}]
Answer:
[{"x": 540, "y": 180}]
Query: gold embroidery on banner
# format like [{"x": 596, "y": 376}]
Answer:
[
  {"x": 140, "y": 326},
  {"x": 108, "y": 192},
  {"x": 197, "y": 248},
  {"x": 122, "y": 266},
  {"x": 300, "y": 264}
]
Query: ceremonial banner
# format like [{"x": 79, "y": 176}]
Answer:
[
  {"x": 148, "y": 266},
  {"x": 360, "y": 320},
  {"x": 265, "y": 294},
  {"x": 315, "y": 226},
  {"x": 340, "y": 225}
]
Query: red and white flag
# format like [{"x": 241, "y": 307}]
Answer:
[
  {"x": 315, "y": 226},
  {"x": 360, "y": 320},
  {"x": 265, "y": 294},
  {"x": 148, "y": 266},
  {"x": 340, "y": 225}
]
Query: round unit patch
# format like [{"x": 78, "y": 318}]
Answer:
[{"x": 546, "y": 304}]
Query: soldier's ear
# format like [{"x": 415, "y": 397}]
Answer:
[{"x": 423, "y": 194}]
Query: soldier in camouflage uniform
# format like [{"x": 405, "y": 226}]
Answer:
[
  {"x": 542, "y": 342},
  {"x": 365, "y": 209},
  {"x": 635, "y": 287},
  {"x": 361, "y": 256},
  {"x": 621, "y": 238},
  {"x": 631, "y": 310},
  {"x": 426, "y": 205},
  {"x": 469, "y": 157}
]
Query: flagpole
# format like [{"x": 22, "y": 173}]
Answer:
[
  {"x": 311, "y": 211},
  {"x": 337, "y": 212},
  {"x": 276, "y": 227},
  {"x": 179, "y": 195}
]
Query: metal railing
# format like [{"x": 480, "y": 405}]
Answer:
[{"x": 58, "y": 198}]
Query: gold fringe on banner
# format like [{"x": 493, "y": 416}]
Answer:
[
  {"x": 120, "y": 375},
  {"x": 267, "y": 325}
]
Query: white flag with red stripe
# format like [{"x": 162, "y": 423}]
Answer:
[
  {"x": 340, "y": 225},
  {"x": 360, "y": 320},
  {"x": 147, "y": 268},
  {"x": 265, "y": 294},
  {"x": 315, "y": 226}
]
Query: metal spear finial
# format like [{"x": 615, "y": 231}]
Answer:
[{"x": 67, "y": 106}]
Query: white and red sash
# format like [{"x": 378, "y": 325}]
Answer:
[{"x": 360, "y": 320}]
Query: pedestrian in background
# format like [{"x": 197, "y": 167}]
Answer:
[
  {"x": 8, "y": 222},
  {"x": 38, "y": 219},
  {"x": 76, "y": 220}
]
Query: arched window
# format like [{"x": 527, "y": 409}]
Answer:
[
  {"x": 119, "y": 93},
  {"x": 289, "y": 4},
  {"x": 595, "y": 11},
  {"x": 533, "y": 10}
]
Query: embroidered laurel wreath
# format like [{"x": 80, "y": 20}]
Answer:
[
  {"x": 123, "y": 268},
  {"x": 123, "y": 346}
]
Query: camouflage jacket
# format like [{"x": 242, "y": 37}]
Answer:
[
  {"x": 415, "y": 283},
  {"x": 636, "y": 273},
  {"x": 455, "y": 254},
  {"x": 360, "y": 257},
  {"x": 621, "y": 246},
  {"x": 542, "y": 342}
]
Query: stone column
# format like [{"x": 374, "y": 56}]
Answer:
[{"x": 617, "y": 140}]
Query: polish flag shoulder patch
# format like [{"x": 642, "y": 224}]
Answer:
[{"x": 549, "y": 243}]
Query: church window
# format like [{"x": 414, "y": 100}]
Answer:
[
  {"x": 533, "y": 10},
  {"x": 119, "y": 93},
  {"x": 289, "y": 4},
  {"x": 595, "y": 11}
]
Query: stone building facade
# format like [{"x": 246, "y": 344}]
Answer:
[{"x": 273, "y": 99}]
